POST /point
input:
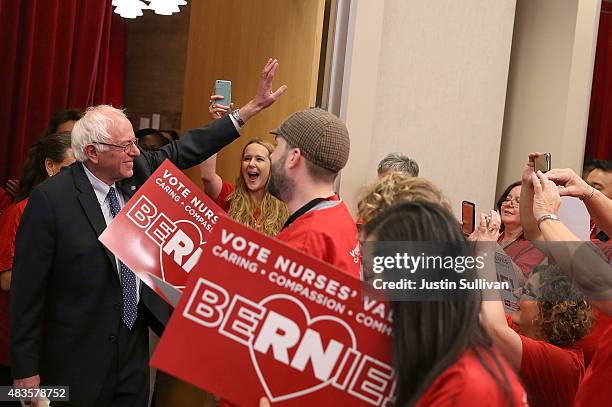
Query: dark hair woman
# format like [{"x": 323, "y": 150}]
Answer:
[
  {"x": 441, "y": 352},
  {"x": 61, "y": 121},
  {"x": 45, "y": 158},
  {"x": 511, "y": 239}
]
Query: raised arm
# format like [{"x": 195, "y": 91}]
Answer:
[
  {"x": 492, "y": 309},
  {"x": 208, "y": 169},
  {"x": 265, "y": 96},
  {"x": 599, "y": 205},
  {"x": 201, "y": 143},
  {"x": 583, "y": 262},
  {"x": 528, "y": 220},
  {"x": 504, "y": 337},
  {"x": 211, "y": 180}
]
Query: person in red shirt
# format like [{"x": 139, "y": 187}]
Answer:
[
  {"x": 553, "y": 315},
  {"x": 7, "y": 194},
  {"x": 61, "y": 121},
  {"x": 600, "y": 177},
  {"x": 313, "y": 146},
  {"x": 442, "y": 354},
  {"x": 45, "y": 158},
  {"x": 247, "y": 201},
  {"x": 590, "y": 343},
  {"x": 595, "y": 387},
  {"x": 584, "y": 262},
  {"x": 512, "y": 239},
  {"x": 603, "y": 321}
]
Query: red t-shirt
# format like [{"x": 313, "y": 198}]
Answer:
[
  {"x": 467, "y": 383},
  {"x": 6, "y": 200},
  {"x": 523, "y": 254},
  {"x": 327, "y": 232},
  {"x": 596, "y": 387},
  {"x": 9, "y": 222},
  {"x": 550, "y": 374},
  {"x": 226, "y": 190},
  {"x": 590, "y": 342},
  {"x": 511, "y": 324}
]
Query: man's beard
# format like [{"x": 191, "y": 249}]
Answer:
[{"x": 280, "y": 185}]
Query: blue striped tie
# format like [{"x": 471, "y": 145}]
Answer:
[{"x": 128, "y": 278}]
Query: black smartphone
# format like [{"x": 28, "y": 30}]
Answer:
[
  {"x": 468, "y": 217},
  {"x": 543, "y": 163}
]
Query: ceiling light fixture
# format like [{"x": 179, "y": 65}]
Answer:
[
  {"x": 164, "y": 7},
  {"x": 134, "y": 8}
]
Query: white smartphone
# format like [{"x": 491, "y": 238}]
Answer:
[{"x": 223, "y": 88}]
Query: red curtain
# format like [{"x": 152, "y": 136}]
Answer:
[
  {"x": 599, "y": 133},
  {"x": 55, "y": 54}
]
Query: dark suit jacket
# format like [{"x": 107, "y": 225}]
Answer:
[{"x": 65, "y": 310}]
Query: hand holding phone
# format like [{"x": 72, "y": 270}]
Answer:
[
  {"x": 223, "y": 88},
  {"x": 543, "y": 163},
  {"x": 216, "y": 110}
]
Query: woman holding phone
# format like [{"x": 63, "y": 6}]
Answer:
[{"x": 247, "y": 201}]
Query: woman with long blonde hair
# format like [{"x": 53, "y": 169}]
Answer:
[{"x": 247, "y": 201}]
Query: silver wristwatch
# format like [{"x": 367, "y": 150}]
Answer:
[{"x": 236, "y": 115}]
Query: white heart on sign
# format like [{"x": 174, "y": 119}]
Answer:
[
  {"x": 161, "y": 251},
  {"x": 281, "y": 397}
]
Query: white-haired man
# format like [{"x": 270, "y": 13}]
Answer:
[{"x": 78, "y": 316}]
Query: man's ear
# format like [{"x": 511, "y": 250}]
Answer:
[
  {"x": 92, "y": 153},
  {"x": 294, "y": 158}
]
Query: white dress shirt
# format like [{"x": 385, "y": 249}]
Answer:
[{"x": 101, "y": 189}]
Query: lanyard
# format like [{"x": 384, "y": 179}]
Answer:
[{"x": 302, "y": 211}]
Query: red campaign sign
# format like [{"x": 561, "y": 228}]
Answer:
[
  {"x": 258, "y": 318},
  {"x": 162, "y": 231}
]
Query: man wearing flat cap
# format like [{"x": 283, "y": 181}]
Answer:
[{"x": 313, "y": 146}]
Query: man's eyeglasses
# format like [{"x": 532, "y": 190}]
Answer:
[{"x": 125, "y": 147}]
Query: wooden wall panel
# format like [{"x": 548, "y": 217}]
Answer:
[{"x": 232, "y": 40}]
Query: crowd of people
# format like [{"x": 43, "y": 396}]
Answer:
[{"x": 555, "y": 350}]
